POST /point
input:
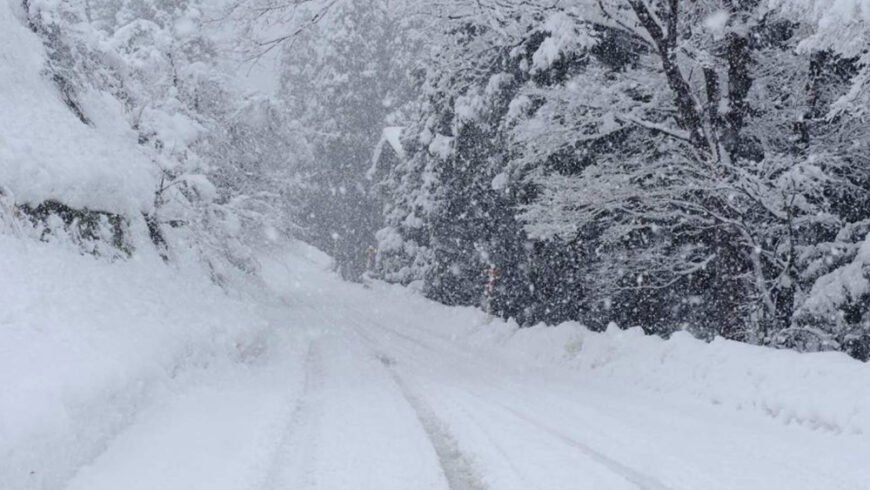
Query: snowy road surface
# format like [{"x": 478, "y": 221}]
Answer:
[{"x": 361, "y": 389}]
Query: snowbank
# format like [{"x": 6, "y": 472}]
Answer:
[
  {"x": 828, "y": 391},
  {"x": 825, "y": 390},
  {"x": 46, "y": 152},
  {"x": 85, "y": 343}
]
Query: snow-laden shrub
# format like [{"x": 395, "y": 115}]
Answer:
[
  {"x": 149, "y": 75},
  {"x": 836, "y": 312}
]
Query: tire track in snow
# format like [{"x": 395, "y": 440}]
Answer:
[
  {"x": 641, "y": 480},
  {"x": 633, "y": 476},
  {"x": 289, "y": 455},
  {"x": 457, "y": 467}
]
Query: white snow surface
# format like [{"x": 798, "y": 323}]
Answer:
[
  {"x": 140, "y": 375},
  {"x": 46, "y": 152},
  {"x": 844, "y": 284},
  {"x": 392, "y": 136},
  {"x": 84, "y": 343}
]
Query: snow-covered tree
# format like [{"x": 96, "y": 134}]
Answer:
[
  {"x": 676, "y": 157},
  {"x": 346, "y": 76},
  {"x": 154, "y": 63},
  {"x": 345, "y": 79},
  {"x": 450, "y": 221}
]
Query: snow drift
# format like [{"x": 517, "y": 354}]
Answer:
[
  {"x": 84, "y": 343},
  {"x": 820, "y": 391}
]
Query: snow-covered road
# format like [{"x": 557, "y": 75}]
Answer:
[
  {"x": 137, "y": 374},
  {"x": 364, "y": 390}
]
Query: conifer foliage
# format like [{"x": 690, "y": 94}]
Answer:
[{"x": 661, "y": 163}]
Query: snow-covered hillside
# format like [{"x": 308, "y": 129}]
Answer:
[
  {"x": 84, "y": 343},
  {"x": 46, "y": 152}
]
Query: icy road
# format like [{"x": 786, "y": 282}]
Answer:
[{"x": 369, "y": 388}]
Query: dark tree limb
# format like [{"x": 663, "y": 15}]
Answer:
[{"x": 689, "y": 117}]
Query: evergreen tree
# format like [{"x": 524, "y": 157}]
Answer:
[
  {"x": 674, "y": 164},
  {"x": 345, "y": 87}
]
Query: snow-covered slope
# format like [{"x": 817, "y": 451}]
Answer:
[
  {"x": 46, "y": 152},
  {"x": 84, "y": 343}
]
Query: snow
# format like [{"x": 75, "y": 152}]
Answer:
[
  {"x": 517, "y": 107},
  {"x": 563, "y": 407},
  {"x": 821, "y": 391},
  {"x": 176, "y": 130},
  {"x": 827, "y": 391},
  {"x": 563, "y": 38},
  {"x": 140, "y": 375},
  {"x": 389, "y": 239},
  {"x": 500, "y": 181},
  {"x": 137, "y": 373},
  {"x": 441, "y": 146},
  {"x": 841, "y": 23},
  {"x": 844, "y": 284},
  {"x": 827, "y": 11},
  {"x": 84, "y": 343},
  {"x": 99, "y": 167},
  {"x": 717, "y": 22},
  {"x": 392, "y": 136},
  {"x": 468, "y": 107}
]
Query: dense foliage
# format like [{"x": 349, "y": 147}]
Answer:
[
  {"x": 668, "y": 164},
  {"x": 223, "y": 158}
]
